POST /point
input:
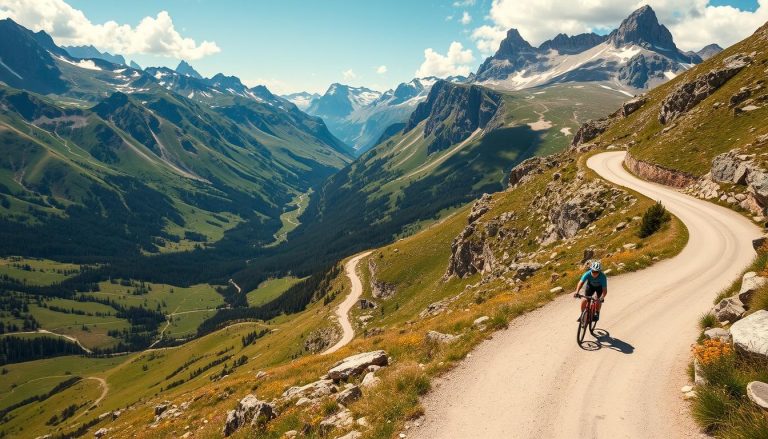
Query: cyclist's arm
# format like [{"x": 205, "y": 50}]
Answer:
[
  {"x": 605, "y": 288},
  {"x": 578, "y": 287}
]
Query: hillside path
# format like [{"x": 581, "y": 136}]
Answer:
[
  {"x": 533, "y": 381},
  {"x": 342, "y": 312}
]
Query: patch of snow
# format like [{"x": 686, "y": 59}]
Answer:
[
  {"x": 191, "y": 95},
  {"x": 83, "y": 63},
  {"x": 625, "y": 53},
  {"x": 119, "y": 70},
  {"x": 670, "y": 75},
  {"x": 618, "y": 91}
]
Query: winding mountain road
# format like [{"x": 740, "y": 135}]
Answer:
[
  {"x": 533, "y": 381},
  {"x": 342, "y": 312}
]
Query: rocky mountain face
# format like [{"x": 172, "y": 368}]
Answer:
[
  {"x": 84, "y": 52},
  {"x": 709, "y": 51},
  {"x": 301, "y": 99},
  {"x": 360, "y": 116},
  {"x": 638, "y": 55},
  {"x": 185, "y": 69},
  {"x": 25, "y": 63},
  {"x": 452, "y": 113},
  {"x": 564, "y": 44}
]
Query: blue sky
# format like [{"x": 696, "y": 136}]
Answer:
[{"x": 293, "y": 45}]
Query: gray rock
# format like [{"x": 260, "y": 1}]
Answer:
[
  {"x": 321, "y": 339},
  {"x": 291, "y": 434},
  {"x": 439, "y": 337},
  {"x": 303, "y": 401},
  {"x": 590, "y": 130},
  {"x": 349, "y": 395},
  {"x": 316, "y": 389},
  {"x": 379, "y": 289},
  {"x": 480, "y": 321},
  {"x": 757, "y": 392},
  {"x": 370, "y": 380},
  {"x": 689, "y": 94},
  {"x": 750, "y": 334},
  {"x": 249, "y": 410},
  {"x": 757, "y": 243},
  {"x": 632, "y": 105},
  {"x": 557, "y": 290},
  {"x": 698, "y": 373},
  {"x": 342, "y": 419},
  {"x": 530, "y": 167},
  {"x": 750, "y": 283},
  {"x": 101, "y": 432},
  {"x": 354, "y": 434},
  {"x": 718, "y": 334},
  {"x": 729, "y": 309},
  {"x": 356, "y": 364},
  {"x": 160, "y": 408},
  {"x": 261, "y": 374}
]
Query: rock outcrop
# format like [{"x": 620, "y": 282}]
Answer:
[
  {"x": 590, "y": 130},
  {"x": 321, "y": 339},
  {"x": 658, "y": 174},
  {"x": 454, "y": 111},
  {"x": 689, "y": 94},
  {"x": 250, "y": 410},
  {"x": 729, "y": 309},
  {"x": 750, "y": 334},
  {"x": 356, "y": 364},
  {"x": 531, "y": 167},
  {"x": 736, "y": 167},
  {"x": 757, "y": 392},
  {"x": 379, "y": 289}
]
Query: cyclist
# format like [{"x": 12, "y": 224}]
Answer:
[{"x": 597, "y": 282}]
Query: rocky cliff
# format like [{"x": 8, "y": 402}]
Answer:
[{"x": 454, "y": 111}]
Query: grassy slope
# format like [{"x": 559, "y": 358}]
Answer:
[
  {"x": 705, "y": 131},
  {"x": 270, "y": 290},
  {"x": 415, "y": 265}
]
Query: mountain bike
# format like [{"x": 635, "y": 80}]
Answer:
[{"x": 587, "y": 317}]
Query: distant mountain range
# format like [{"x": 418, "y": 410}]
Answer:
[
  {"x": 132, "y": 161},
  {"x": 639, "y": 55},
  {"x": 92, "y": 52},
  {"x": 360, "y": 116}
]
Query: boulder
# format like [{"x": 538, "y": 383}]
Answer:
[
  {"x": 349, "y": 395},
  {"x": 356, "y": 364},
  {"x": 590, "y": 130},
  {"x": 249, "y": 410},
  {"x": 718, "y": 334},
  {"x": 342, "y": 419},
  {"x": 632, "y": 105},
  {"x": 160, "y": 408},
  {"x": 750, "y": 334},
  {"x": 354, "y": 434},
  {"x": 316, "y": 389},
  {"x": 532, "y": 166},
  {"x": 291, "y": 434},
  {"x": 757, "y": 243},
  {"x": 557, "y": 290},
  {"x": 379, "y": 289},
  {"x": 757, "y": 392},
  {"x": 261, "y": 374},
  {"x": 729, "y": 309},
  {"x": 439, "y": 337},
  {"x": 750, "y": 283},
  {"x": 480, "y": 321},
  {"x": 524, "y": 270},
  {"x": 479, "y": 208},
  {"x": 370, "y": 380},
  {"x": 101, "y": 432}
]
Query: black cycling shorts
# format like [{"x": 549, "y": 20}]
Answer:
[{"x": 590, "y": 290}]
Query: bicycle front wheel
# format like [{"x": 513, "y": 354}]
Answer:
[{"x": 581, "y": 331}]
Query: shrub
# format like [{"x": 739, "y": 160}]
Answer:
[
  {"x": 712, "y": 407},
  {"x": 653, "y": 219},
  {"x": 707, "y": 320},
  {"x": 747, "y": 423}
]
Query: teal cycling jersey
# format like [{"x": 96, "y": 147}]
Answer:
[{"x": 600, "y": 281}]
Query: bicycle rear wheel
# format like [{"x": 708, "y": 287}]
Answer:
[
  {"x": 592, "y": 323},
  {"x": 581, "y": 331}
]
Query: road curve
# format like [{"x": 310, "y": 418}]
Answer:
[
  {"x": 342, "y": 312},
  {"x": 533, "y": 381}
]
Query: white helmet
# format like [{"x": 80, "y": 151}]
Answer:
[{"x": 596, "y": 266}]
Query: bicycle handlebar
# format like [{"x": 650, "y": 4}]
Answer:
[{"x": 581, "y": 296}]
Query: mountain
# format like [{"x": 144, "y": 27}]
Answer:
[
  {"x": 458, "y": 142},
  {"x": 709, "y": 51},
  {"x": 91, "y": 52},
  {"x": 135, "y": 65},
  {"x": 302, "y": 99},
  {"x": 636, "y": 56},
  {"x": 185, "y": 69},
  {"x": 360, "y": 116},
  {"x": 168, "y": 162}
]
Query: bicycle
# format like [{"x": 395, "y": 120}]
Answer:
[{"x": 586, "y": 319}]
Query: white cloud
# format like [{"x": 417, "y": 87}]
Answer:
[
  {"x": 455, "y": 62},
  {"x": 69, "y": 26},
  {"x": 382, "y": 69},
  {"x": 465, "y": 18},
  {"x": 349, "y": 75},
  {"x": 463, "y": 3},
  {"x": 693, "y": 23}
]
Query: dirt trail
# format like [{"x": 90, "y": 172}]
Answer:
[
  {"x": 533, "y": 381},
  {"x": 342, "y": 312}
]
